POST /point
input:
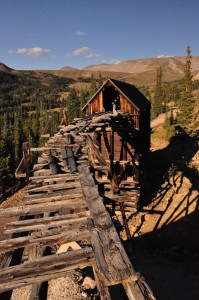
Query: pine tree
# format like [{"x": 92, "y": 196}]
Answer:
[
  {"x": 186, "y": 101},
  {"x": 100, "y": 80},
  {"x": 18, "y": 137},
  {"x": 169, "y": 123},
  {"x": 73, "y": 105},
  {"x": 7, "y": 167},
  {"x": 93, "y": 87},
  {"x": 83, "y": 98},
  {"x": 158, "y": 103}
]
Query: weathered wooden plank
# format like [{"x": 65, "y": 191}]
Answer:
[
  {"x": 134, "y": 291},
  {"x": 40, "y": 166},
  {"x": 101, "y": 285},
  {"x": 111, "y": 258},
  {"x": 49, "y": 239},
  {"x": 42, "y": 269},
  {"x": 96, "y": 153},
  {"x": 52, "y": 164},
  {"x": 71, "y": 160},
  {"x": 23, "y": 170},
  {"x": 70, "y": 224},
  {"x": 71, "y": 195},
  {"x": 43, "y": 172},
  {"x": 55, "y": 177},
  {"x": 42, "y": 160},
  {"x": 41, "y": 208},
  {"x": 35, "y": 251},
  {"x": 53, "y": 187},
  {"x": 41, "y": 149},
  {"x": 49, "y": 181},
  {"x": 58, "y": 145},
  {"x": 55, "y": 194},
  {"x": 47, "y": 220}
]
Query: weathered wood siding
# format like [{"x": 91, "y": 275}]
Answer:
[
  {"x": 96, "y": 105},
  {"x": 118, "y": 151}
]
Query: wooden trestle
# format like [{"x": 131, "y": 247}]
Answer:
[{"x": 65, "y": 202}]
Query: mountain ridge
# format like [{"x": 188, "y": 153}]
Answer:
[
  {"x": 138, "y": 71},
  {"x": 174, "y": 63},
  {"x": 171, "y": 63}
]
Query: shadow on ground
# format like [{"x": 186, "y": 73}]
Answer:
[
  {"x": 166, "y": 162},
  {"x": 168, "y": 256}
]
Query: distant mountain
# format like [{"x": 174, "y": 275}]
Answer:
[
  {"x": 5, "y": 68},
  {"x": 68, "y": 68},
  {"x": 169, "y": 65}
]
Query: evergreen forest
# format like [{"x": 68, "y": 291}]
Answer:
[{"x": 28, "y": 101}]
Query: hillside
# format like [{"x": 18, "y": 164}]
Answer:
[
  {"x": 169, "y": 64},
  {"x": 4, "y": 68},
  {"x": 138, "y": 72}
]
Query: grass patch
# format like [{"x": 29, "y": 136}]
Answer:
[{"x": 159, "y": 133}]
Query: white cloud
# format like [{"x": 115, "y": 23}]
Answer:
[
  {"x": 81, "y": 51},
  {"x": 86, "y": 52},
  {"x": 112, "y": 61},
  {"x": 11, "y": 52},
  {"x": 162, "y": 56},
  {"x": 94, "y": 55},
  {"x": 35, "y": 51},
  {"x": 80, "y": 33},
  {"x": 115, "y": 61}
]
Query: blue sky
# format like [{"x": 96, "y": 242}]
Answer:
[{"x": 51, "y": 34}]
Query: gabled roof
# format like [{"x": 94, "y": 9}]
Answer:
[{"x": 129, "y": 91}]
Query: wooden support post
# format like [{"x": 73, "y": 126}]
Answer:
[
  {"x": 64, "y": 156},
  {"x": 52, "y": 164},
  {"x": 126, "y": 227},
  {"x": 69, "y": 138},
  {"x": 68, "y": 158},
  {"x": 132, "y": 290},
  {"x": 26, "y": 157},
  {"x": 35, "y": 251},
  {"x": 71, "y": 160},
  {"x": 101, "y": 286}
]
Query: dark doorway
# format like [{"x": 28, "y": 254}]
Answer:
[{"x": 110, "y": 95}]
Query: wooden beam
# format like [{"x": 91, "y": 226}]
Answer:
[
  {"x": 53, "y": 187},
  {"x": 70, "y": 224},
  {"x": 70, "y": 196},
  {"x": 59, "y": 194},
  {"x": 55, "y": 177},
  {"x": 111, "y": 258},
  {"x": 42, "y": 269},
  {"x": 97, "y": 154},
  {"x": 49, "y": 239},
  {"x": 47, "y": 220},
  {"x": 41, "y": 208}
]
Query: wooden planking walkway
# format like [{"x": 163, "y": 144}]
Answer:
[{"x": 62, "y": 204}]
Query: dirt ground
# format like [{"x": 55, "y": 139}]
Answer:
[{"x": 165, "y": 242}]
